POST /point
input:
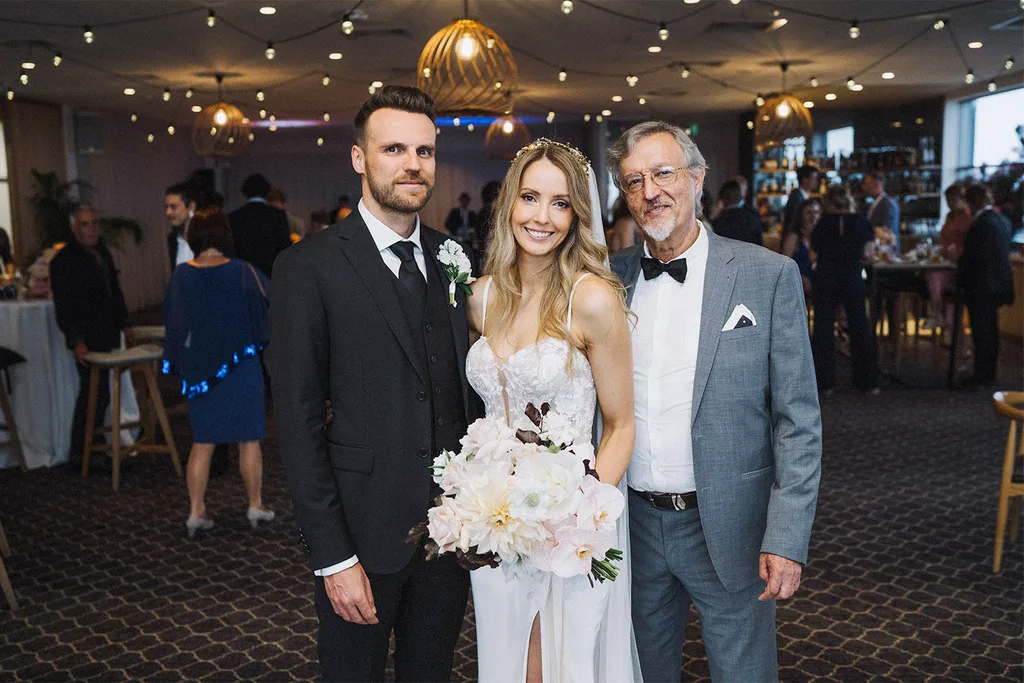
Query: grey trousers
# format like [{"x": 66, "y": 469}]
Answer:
[{"x": 671, "y": 571}]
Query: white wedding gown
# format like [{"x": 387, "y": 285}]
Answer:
[{"x": 586, "y": 631}]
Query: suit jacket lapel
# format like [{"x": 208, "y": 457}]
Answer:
[
  {"x": 431, "y": 243},
  {"x": 362, "y": 253},
  {"x": 632, "y": 273},
  {"x": 719, "y": 280}
]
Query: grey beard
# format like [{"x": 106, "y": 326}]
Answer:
[{"x": 658, "y": 234}]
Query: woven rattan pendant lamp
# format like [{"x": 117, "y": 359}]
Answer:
[
  {"x": 221, "y": 129},
  {"x": 781, "y": 117},
  {"x": 467, "y": 68},
  {"x": 506, "y": 135}
]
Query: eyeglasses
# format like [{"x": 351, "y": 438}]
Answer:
[{"x": 662, "y": 177}]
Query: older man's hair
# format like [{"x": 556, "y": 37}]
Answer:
[
  {"x": 79, "y": 207},
  {"x": 628, "y": 140}
]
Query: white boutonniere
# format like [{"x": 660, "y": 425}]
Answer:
[{"x": 456, "y": 268}]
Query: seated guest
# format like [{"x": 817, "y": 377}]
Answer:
[
  {"x": 260, "y": 231},
  {"x": 91, "y": 313},
  {"x": 951, "y": 240},
  {"x": 884, "y": 211},
  {"x": 984, "y": 275},
  {"x": 215, "y": 313},
  {"x": 841, "y": 243},
  {"x": 797, "y": 244},
  {"x": 737, "y": 221},
  {"x": 319, "y": 220}
]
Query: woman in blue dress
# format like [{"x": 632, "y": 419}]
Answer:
[{"x": 215, "y": 312}]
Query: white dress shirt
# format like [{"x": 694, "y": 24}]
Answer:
[
  {"x": 665, "y": 342},
  {"x": 383, "y": 237},
  {"x": 184, "y": 254}
]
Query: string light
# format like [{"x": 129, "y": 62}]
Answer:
[
  {"x": 750, "y": 124},
  {"x": 1008, "y": 64},
  {"x": 272, "y": 118},
  {"x": 642, "y": 101},
  {"x": 188, "y": 94},
  {"x": 347, "y": 26},
  {"x": 759, "y": 100},
  {"x": 251, "y": 137},
  {"x": 686, "y": 71},
  {"x": 991, "y": 86},
  {"x": 663, "y": 32},
  {"x": 326, "y": 80},
  {"x": 426, "y": 72},
  {"x": 470, "y": 127},
  {"x": 167, "y": 95},
  {"x": 327, "y": 116},
  {"x": 562, "y": 74},
  {"x": 260, "y": 95},
  {"x": 170, "y": 130},
  {"x": 57, "y": 59},
  {"x": 854, "y": 31},
  {"x": 599, "y": 118},
  {"x": 211, "y": 18},
  {"x": 134, "y": 117},
  {"x": 319, "y": 142},
  {"x": 88, "y": 36},
  {"x": 586, "y": 117},
  {"x": 270, "y": 52},
  {"x": 632, "y": 80},
  {"x": 150, "y": 137},
  {"x": 814, "y": 81},
  {"x": 23, "y": 78},
  {"x": 263, "y": 113},
  {"x": 567, "y": 6},
  {"x": 497, "y": 85},
  {"x": 969, "y": 78},
  {"x": 939, "y": 24},
  {"x": 850, "y": 82},
  {"x": 10, "y": 94},
  {"x": 551, "y": 117}
]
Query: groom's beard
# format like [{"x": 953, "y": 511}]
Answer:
[{"x": 388, "y": 195}]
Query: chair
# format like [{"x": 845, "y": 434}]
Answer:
[
  {"x": 140, "y": 358},
  {"x": 9, "y": 358},
  {"x": 1008, "y": 404},
  {"x": 5, "y": 581}
]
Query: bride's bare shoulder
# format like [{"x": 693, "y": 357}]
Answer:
[
  {"x": 476, "y": 302},
  {"x": 596, "y": 304}
]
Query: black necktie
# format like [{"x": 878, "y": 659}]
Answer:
[
  {"x": 409, "y": 273},
  {"x": 652, "y": 268}
]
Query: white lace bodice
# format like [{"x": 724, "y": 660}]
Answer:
[{"x": 535, "y": 374}]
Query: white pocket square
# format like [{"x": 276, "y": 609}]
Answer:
[{"x": 741, "y": 317}]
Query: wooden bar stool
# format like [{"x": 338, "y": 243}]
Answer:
[
  {"x": 9, "y": 358},
  {"x": 140, "y": 358},
  {"x": 5, "y": 581},
  {"x": 1008, "y": 404}
]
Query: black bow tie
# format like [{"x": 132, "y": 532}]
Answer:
[{"x": 653, "y": 268}]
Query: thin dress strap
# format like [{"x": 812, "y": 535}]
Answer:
[
  {"x": 571, "y": 293},
  {"x": 483, "y": 322}
]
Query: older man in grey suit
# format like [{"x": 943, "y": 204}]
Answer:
[{"x": 724, "y": 476}]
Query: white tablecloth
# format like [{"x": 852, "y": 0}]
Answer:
[{"x": 46, "y": 386}]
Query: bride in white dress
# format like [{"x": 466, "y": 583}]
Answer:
[{"x": 553, "y": 329}]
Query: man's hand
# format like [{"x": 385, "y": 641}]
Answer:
[
  {"x": 781, "y": 575},
  {"x": 79, "y": 352},
  {"x": 351, "y": 596}
]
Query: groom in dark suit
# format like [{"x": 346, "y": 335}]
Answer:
[{"x": 360, "y": 317}]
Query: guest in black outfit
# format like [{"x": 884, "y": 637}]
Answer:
[
  {"x": 737, "y": 221},
  {"x": 90, "y": 312},
  {"x": 985, "y": 277},
  {"x": 841, "y": 243},
  {"x": 482, "y": 229},
  {"x": 797, "y": 244},
  {"x": 260, "y": 231},
  {"x": 6, "y": 258},
  {"x": 807, "y": 182},
  {"x": 460, "y": 220},
  {"x": 179, "y": 205}
]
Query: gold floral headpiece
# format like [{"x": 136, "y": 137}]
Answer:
[{"x": 545, "y": 142}]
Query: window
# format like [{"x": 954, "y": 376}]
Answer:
[
  {"x": 839, "y": 141},
  {"x": 996, "y": 122}
]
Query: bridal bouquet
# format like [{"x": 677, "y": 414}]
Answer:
[{"x": 524, "y": 499}]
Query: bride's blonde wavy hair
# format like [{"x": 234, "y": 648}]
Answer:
[{"x": 578, "y": 253}]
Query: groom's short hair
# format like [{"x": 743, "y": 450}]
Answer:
[{"x": 401, "y": 97}]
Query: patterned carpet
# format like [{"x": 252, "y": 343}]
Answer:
[{"x": 899, "y": 584}]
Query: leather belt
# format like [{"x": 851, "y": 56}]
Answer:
[{"x": 669, "y": 501}]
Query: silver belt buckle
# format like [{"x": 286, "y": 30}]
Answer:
[{"x": 678, "y": 502}]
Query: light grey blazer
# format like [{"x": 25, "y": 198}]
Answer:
[{"x": 756, "y": 422}]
